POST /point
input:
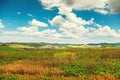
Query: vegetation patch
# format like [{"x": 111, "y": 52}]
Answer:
[{"x": 60, "y": 64}]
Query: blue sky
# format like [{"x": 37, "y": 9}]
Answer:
[{"x": 59, "y": 21}]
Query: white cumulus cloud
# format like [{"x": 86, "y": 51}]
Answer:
[
  {"x": 37, "y": 23},
  {"x": 100, "y": 6},
  {"x": 106, "y": 31},
  {"x": 1, "y": 24},
  {"x": 76, "y": 4}
]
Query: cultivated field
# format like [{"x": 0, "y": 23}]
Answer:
[{"x": 60, "y": 64}]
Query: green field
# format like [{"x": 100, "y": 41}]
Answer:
[
  {"x": 60, "y": 64},
  {"x": 7, "y": 48}
]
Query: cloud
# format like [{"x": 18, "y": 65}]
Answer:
[
  {"x": 106, "y": 31},
  {"x": 67, "y": 34},
  {"x": 28, "y": 29},
  {"x": 100, "y": 6},
  {"x": 18, "y": 13},
  {"x": 1, "y": 24},
  {"x": 76, "y": 28},
  {"x": 37, "y": 23},
  {"x": 77, "y": 4},
  {"x": 33, "y": 29},
  {"x": 74, "y": 4},
  {"x": 71, "y": 26},
  {"x": 72, "y": 17},
  {"x": 68, "y": 28},
  {"x": 57, "y": 21},
  {"x": 102, "y": 11},
  {"x": 16, "y": 38},
  {"x": 88, "y": 4},
  {"x": 30, "y": 15},
  {"x": 114, "y": 6},
  {"x": 50, "y": 3}
]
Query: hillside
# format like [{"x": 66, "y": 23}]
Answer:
[{"x": 42, "y": 45}]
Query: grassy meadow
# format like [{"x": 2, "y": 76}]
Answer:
[{"x": 59, "y": 64}]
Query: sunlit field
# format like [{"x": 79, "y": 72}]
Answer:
[{"x": 60, "y": 64}]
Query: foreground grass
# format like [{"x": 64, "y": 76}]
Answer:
[{"x": 63, "y": 64}]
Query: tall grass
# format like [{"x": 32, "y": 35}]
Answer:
[{"x": 64, "y": 64}]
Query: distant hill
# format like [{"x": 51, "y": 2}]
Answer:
[
  {"x": 42, "y": 45},
  {"x": 34, "y": 45},
  {"x": 51, "y": 46},
  {"x": 105, "y": 44}
]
